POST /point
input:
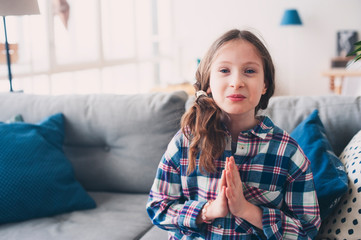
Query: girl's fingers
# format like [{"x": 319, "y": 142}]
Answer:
[
  {"x": 232, "y": 176},
  {"x": 229, "y": 163},
  {"x": 233, "y": 165},
  {"x": 223, "y": 191},
  {"x": 234, "y": 168},
  {"x": 230, "y": 180},
  {"x": 223, "y": 182},
  {"x": 233, "y": 171},
  {"x": 228, "y": 193}
]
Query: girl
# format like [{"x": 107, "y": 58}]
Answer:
[{"x": 230, "y": 174}]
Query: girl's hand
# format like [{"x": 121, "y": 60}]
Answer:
[
  {"x": 219, "y": 207},
  {"x": 237, "y": 203}
]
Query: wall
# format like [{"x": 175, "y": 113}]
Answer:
[{"x": 300, "y": 53}]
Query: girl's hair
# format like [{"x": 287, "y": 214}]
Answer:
[{"x": 202, "y": 124}]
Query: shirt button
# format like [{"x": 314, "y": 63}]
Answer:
[{"x": 219, "y": 226}]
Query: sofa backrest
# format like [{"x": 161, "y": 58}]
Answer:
[
  {"x": 115, "y": 142},
  {"x": 340, "y": 115}
]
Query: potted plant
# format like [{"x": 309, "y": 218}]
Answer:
[{"x": 357, "y": 51}]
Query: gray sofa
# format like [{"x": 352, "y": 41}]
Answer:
[{"x": 115, "y": 143}]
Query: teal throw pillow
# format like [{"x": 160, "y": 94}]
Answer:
[
  {"x": 36, "y": 178},
  {"x": 329, "y": 173}
]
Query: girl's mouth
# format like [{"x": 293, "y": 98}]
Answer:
[{"x": 236, "y": 97}]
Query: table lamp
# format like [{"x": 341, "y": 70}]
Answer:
[
  {"x": 291, "y": 17},
  {"x": 15, "y": 8}
]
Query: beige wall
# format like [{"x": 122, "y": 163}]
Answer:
[{"x": 300, "y": 53}]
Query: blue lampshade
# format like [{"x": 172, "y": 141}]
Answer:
[{"x": 291, "y": 17}]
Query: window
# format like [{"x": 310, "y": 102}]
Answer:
[{"x": 105, "y": 46}]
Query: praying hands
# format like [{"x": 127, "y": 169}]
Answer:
[{"x": 230, "y": 198}]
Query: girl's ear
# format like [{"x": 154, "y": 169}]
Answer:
[
  {"x": 209, "y": 90},
  {"x": 264, "y": 91}
]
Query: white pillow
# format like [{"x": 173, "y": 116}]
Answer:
[{"x": 345, "y": 221}]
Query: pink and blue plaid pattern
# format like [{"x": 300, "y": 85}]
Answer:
[{"x": 276, "y": 177}]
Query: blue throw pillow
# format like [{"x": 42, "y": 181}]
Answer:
[
  {"x": 36, "y": 178},
  {"x": 328, "y": 171}
]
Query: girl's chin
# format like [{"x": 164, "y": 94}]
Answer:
[{"x": 238, "y": 111}]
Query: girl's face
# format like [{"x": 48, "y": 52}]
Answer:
[{"x": 237, "y": 78}]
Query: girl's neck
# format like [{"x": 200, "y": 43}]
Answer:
[{"x": 240, "y": 123}]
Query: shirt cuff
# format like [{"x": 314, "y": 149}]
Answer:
[
  {"x": 244, "y": 226},
  {"x": 272, "y": 222},
  {"x": 188, "y": 216}
]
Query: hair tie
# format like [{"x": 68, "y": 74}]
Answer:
[{"x": 201, "y": 93}]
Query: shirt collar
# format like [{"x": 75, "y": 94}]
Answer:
[{"x": 262, "y": 128}]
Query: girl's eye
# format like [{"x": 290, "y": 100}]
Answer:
[
  {"x": 249, "y": 71},
  {"x": 224, "y": 70}
]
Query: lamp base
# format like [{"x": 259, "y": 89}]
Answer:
[
  {"x": 17, "y": 91},
  {"x": 7, "y": 50}
]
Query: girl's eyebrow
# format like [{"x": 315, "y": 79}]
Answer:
[
  {"x": 251, "y": 62},
  {"x": 246, "y": 63}
]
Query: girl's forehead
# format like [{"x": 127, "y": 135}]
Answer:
[{"x": 238, "y": 46}]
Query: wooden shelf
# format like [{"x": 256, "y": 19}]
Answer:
[{"x": 340, "y": 73}]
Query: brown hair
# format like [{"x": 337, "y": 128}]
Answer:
[{"x": 202, "y": 124}]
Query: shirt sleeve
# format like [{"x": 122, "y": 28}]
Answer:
[
  {"x": 166, "y": 206},
  {"x": 299, "y": 217}
]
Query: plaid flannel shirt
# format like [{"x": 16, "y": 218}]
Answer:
[{"x": 276, "y": 176}]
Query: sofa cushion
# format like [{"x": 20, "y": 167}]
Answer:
[
  {"x": 36, "y": 178},
  {"x": 118, "y": 216},
  {"x": 344, "y": 223},
  {"x": 155, "y": 233},
  {"x": 329, "y": 174}
]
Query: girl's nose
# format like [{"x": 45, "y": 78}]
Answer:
[{"x": 237, "y": 80}]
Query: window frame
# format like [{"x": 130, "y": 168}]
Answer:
[{"x": 100, "y": 63}]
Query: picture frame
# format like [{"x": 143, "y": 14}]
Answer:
[{"x": 345, "y": 42}]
